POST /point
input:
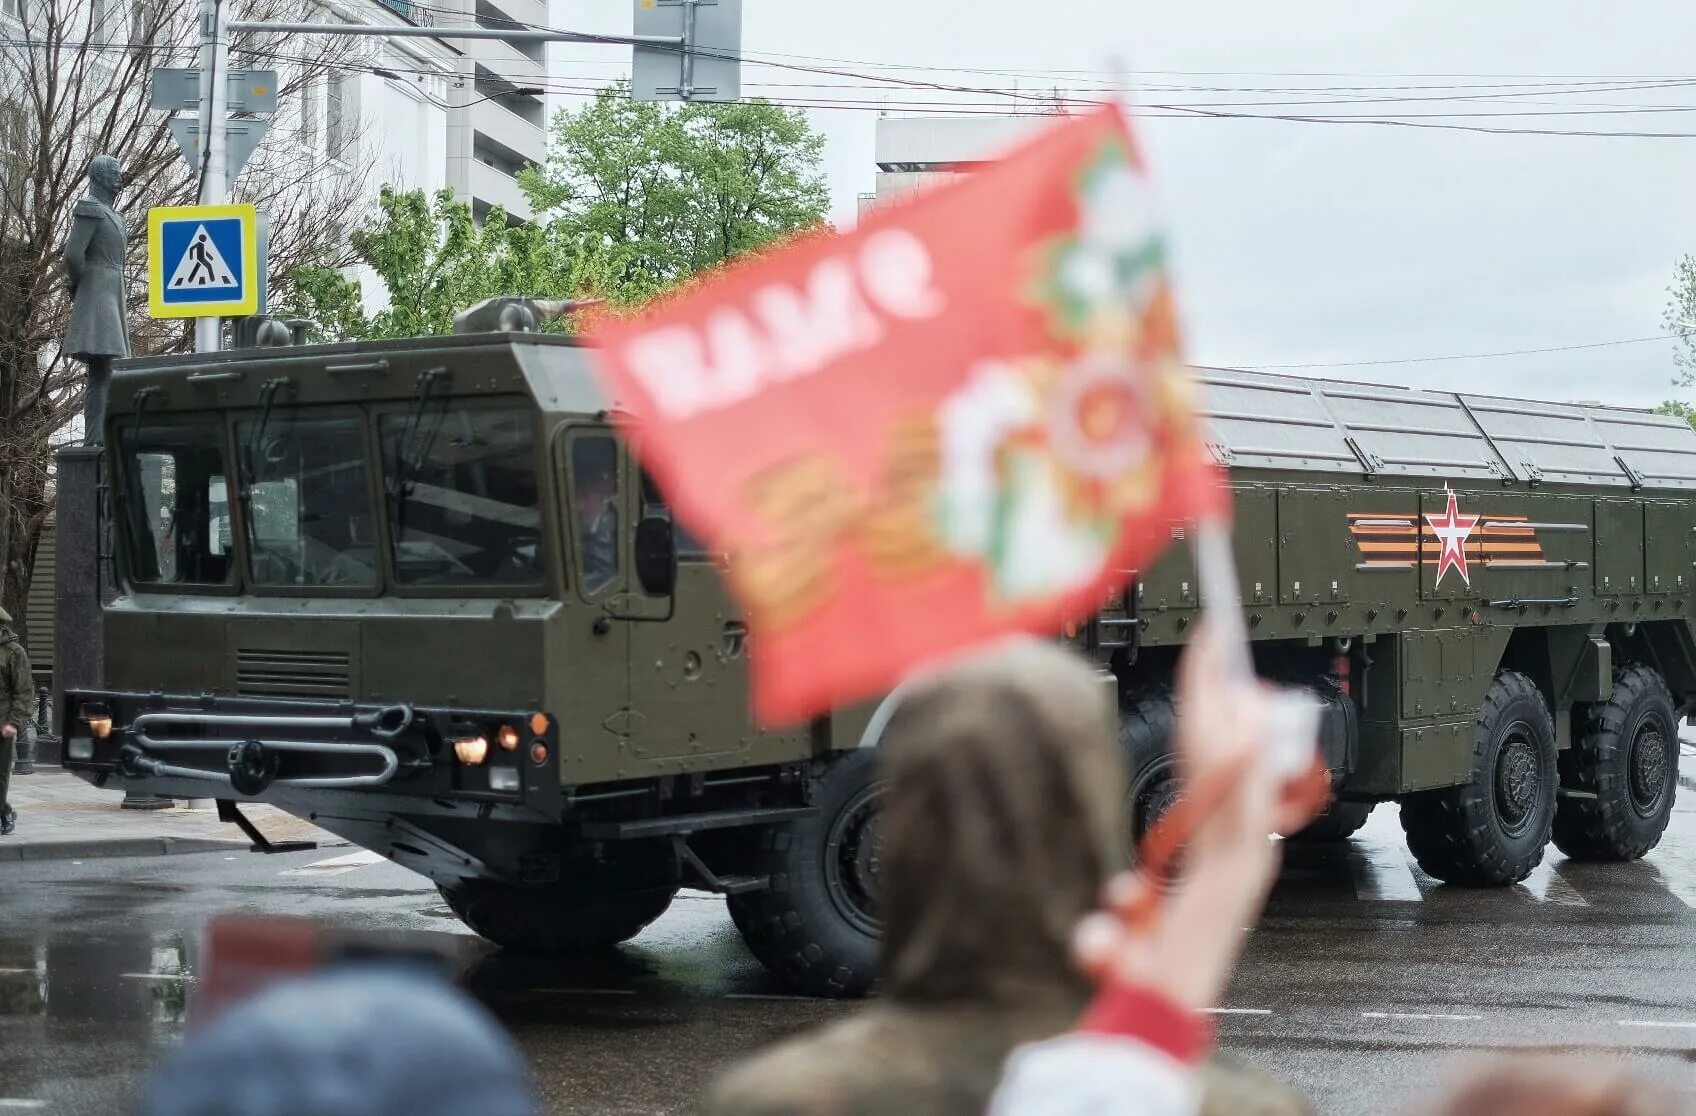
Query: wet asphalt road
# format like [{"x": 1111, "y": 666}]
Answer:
[{"x": 1366, "y": 984}]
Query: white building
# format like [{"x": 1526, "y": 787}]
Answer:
[
  {"x": 464, "y": 113},
  {"x": 914, "y": 152},
  {"x": 495, "y": 130}
]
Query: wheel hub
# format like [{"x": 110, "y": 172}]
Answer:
[
  {"x": 852, "y": 861},
  {"x": 1519, "y": 782},
  {"x": 1648, "y": 769}
]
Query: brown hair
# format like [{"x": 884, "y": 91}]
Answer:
[{"x": 1002, "y": 818}]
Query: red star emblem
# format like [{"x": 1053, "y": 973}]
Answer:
[{"x": 1452, "y": 530}]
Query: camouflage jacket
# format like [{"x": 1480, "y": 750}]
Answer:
[{"x": 17, "y": 684}]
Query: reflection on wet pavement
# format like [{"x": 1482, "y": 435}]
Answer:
[{"x": 1362, "y": 981}]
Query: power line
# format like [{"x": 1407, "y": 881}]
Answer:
[{"x": 1462, "y": 356}]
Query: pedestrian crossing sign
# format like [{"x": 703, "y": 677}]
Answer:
[{"x": 202, "y": 261}]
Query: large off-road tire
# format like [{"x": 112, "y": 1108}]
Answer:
[
  {"x": 818, "y": 925},
  {"x": 1145, "y": 735},
  {"x": 1628, "y": 759},
  {"x": 1491, "y": 830},
  {"x": 1339, "y": 822},
  {"x": 553, "y": 919}
]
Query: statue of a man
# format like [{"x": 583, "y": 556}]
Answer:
[{"x": 94, "y": 256}]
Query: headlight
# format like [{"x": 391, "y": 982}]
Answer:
[
  {"x": 98, "y": 719},
  {"x": 509, "y": 738},
  {"x": 471, "y": 750},
  {"x": 504, "y": 779}
]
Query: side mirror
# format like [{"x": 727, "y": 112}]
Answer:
[{"x": 656, "y": 555}]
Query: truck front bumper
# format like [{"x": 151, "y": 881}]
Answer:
[{"x": 278, "y": 751}]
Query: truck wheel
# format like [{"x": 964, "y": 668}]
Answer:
[
  {"x": 1339, "y": 822},
  {"x": 818, "y": 925},
  {"x": 1628, "y": 759},
  {"x": 1145, "y": 734},
  {"x": 553, "y": 919},
  {"x": 1491, "y": 830}
]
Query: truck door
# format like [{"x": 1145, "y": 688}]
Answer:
[
  {"x": 595, "y": 711},
  {"x": 689, "y": 670}
]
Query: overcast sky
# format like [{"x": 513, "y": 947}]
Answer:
[{"x": 1307, "y": 243}]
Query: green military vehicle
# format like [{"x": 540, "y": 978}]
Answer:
[{"x": 420, "y": 593}]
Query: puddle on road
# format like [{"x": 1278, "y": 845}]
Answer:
[{"x": 132, "y": 981}]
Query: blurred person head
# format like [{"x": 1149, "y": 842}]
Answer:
[
  {"x": 348, "y": 1042},
  {"x": 1545, "y": 1086},
  {"x": 1001, "y": 820},
  {"x": 1003, "y": 817}
]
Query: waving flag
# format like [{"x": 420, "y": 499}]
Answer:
[{"x": 967, "y": 417}]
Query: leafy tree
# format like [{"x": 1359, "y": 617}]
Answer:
[
  {"x": 1679, "y": 317},
  {"x": 1683, "y": 410},
  {"x": 657, "y": 194},
  {"x": 435, "y": 260},
  {"x": 635, "y": 199}
]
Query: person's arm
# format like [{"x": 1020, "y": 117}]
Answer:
[
  {"x": 20, "y": 689},
  {"x": 1135, "y": 1052},
  {"x": 76, "y": 250},
  {"x": 1136, "y": 1048}
]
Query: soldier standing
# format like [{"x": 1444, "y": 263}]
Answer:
[{"x": 17, "y": 698}]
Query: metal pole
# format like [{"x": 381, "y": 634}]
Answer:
[
  {"x": 397, "y": 31},
  {"x": 214, "y": 96},
  {"x": 686, "y": 86}
]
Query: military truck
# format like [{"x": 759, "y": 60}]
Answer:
[{"x": 422, "y": 594}]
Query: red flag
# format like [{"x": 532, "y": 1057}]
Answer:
[{"x": 966, "y": 417}]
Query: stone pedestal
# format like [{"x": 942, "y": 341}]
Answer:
[{"x": 83, "y": 582}]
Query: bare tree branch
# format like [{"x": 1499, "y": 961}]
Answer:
[{"x": 74, "y": 85}]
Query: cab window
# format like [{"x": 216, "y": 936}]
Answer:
[
  {"x": 175, "y": 507},
  {"x": 460, "y": 484},
  {"x": 595, "y": 504},
  {"x": 307, "y": 497}
]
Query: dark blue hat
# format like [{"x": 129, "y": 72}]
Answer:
[{"x": 355, "y": 1042}]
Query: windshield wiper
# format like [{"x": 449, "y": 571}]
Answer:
[
  {"x": 409, "y": 465},
  {"x": 249, "y": 450}
]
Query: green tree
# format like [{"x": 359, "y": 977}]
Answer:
[
  {"x": 434, "y": 260},
  {"x": 1683, "y": 410},
  {"x": 634, "y": 198},
  {"x": 656, "y": 194},
  {"x": 1678, "y": 317}
]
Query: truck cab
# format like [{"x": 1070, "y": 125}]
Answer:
[{"x": 422, "y": 593}]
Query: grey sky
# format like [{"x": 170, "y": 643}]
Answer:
[{"x": 1324, "y": 243}]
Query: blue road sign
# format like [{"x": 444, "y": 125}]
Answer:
[{"x": 203, "y": 261}]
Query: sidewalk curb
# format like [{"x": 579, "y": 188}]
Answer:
[{"x": 114, "y": 847}]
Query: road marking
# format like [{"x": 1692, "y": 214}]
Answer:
[
  {"x": 1678, "y": 885},
  {"x": 586, "y": 991},
  {"x": 157, "y": 976},
  {"x": 14, "y": 972},
  {"x": 1426, "y": 1015},
  {"x": 20, "y": 1102},
  {"x": 1548, "y": 886},
  {"x": 1236, "y": 1011},
  {"x": 337, "y": 865},
  {"x": 762, "y": 996},
  {"x": 1383, "y": 875},
  {"x": 1677, "y": 1026}
]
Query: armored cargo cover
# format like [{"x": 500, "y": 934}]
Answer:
[{"x": 1262, "y": 421}]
